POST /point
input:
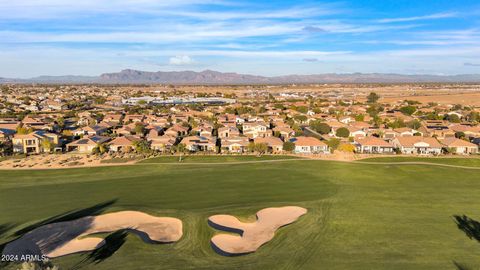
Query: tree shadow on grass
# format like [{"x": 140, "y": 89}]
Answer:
[
  {"x": 69, "y": 216},
  {"x": 471, "y": 228},
  {"x": 30, "y": 245},
  {"x": 461, "y": 266},
  {"x": 113, "y": 242}
]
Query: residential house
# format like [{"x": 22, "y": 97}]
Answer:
[
  {"x": 177, "y": 130},
  {"x": 458, "y": 146},
  {"x": 37, "y": 122},
  {"x": 154, "y": 132},
  {"x": 114, "y": 118},
  {"x": 346, "y": 119},
  {"x": 356, "y": 133},
  {"x": 199, "y": 143},
  {"x": 7, "y": 130},
  {"x": 55, "y": 105},
  {"x": 275, "y": 144},
  {"x": 134, "y": 118},
  {"x": 309, "y": 145},
  {"x": 418, "y": 145},
  {"x": 123, "y": 144},
  {"x": 436, "y": 128},
  {"x": 226, "y": 132},
  {"x": 372, "y": 145},
  {"x": 87, "y": 144},
  {"x": 162, "y": 143},
  {"x": 90, "y": 130},
  {"x": 405, "y": 132},
  {"x": 256, "y": 129},
  {"x": 32, "y": 142},
  {"x": 470, "y": 131},
  {"x": 285, "y": 132},
  {"x": 234, "y": 144}
]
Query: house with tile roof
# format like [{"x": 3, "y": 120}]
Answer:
[
  {"x": 373, "y": 145},
  {"x": 459, "y": 146},
  {"x": 418, "y": 145},
  {"x": 85, "y": 145},
  {"x": 309, "y": 145}
]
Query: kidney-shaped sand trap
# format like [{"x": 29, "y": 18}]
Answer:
[
  {"x": 63, "y": 238},
  {"x": 252, "y": 235}
]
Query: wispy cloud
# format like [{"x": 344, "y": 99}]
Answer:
[
  {"x": 420, "y": 18},
  {"x": 41, "y": 36},
  {"x": 472, "y": 64},
  {"x": 46, "y": 9}
]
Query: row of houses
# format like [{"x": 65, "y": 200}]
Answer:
[{"x": 415, "y": 145}]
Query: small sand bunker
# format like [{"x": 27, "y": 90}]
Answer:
[
  {"x": 63, "y": 238},
  {"x": 252, "y": 235}
]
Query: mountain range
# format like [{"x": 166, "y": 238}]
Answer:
[{"x": 209, "y": 77}]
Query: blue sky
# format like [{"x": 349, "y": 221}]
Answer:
[{"x": 89, "y": 37}]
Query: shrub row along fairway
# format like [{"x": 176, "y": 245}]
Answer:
[{"x": 360, "y": 216}]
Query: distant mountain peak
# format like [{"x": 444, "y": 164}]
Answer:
[{"x": 132, "y": 76}]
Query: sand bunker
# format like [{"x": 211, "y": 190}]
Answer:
[
  {"x": 63, "y": 238},
  {"x": 252, "y": 235}
]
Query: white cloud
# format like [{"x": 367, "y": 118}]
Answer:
[
  {"x": 181, "y": 60},
  {"x": 419, "y": 18}
]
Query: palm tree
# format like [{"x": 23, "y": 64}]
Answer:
[{"x": 100, "y": 149}]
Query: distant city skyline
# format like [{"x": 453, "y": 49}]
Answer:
[{"x": 90, "y": 37}]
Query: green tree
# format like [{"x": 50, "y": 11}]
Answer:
[
  {"x": 142, "y": 147},
  {"x": 251, "y": 147},
  {"x": 301, "y": 118},
  {"x": 415, "y": 124},
  {"x": 22, "y": 130},
  {"x": 298, "y": 130},
  {"x": 453, "y": 118},
  {"x": 320, "y": 127},
  {"x": 61, "y": 122},
  {"x": 460, "y": 135},
  {"x": 374, "y": 109},
  {"x": 359, "y": 117},
  {"x": 376, "y": 121},
  {"x": 261, "y": 148},
  {"x": 181, "y": 148},
  {"x": 288, "y": 146},
  {"x": 473, "y": 117},
  {"x": 333, "y": 144},
  {"x": 302, "y": 109},
  {"x": 373, "y": 97},
  {"x": 397, "y": 123},
  {"x": 139, "y": 129},
  {"x": 412, "y": 102},
  {"x": 342, "y": 132},
  {"x": 47, "y": 145},
  {"x": 100, "y": 149},
  {"x": 408, "y": 110}
]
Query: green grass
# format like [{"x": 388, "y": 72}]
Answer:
[
  {"x": 469, "y": 162},
  {"x": 213, "y": 158},
  {"x": 117, "y": 160},
  {"x": 361, "y": 216}
]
